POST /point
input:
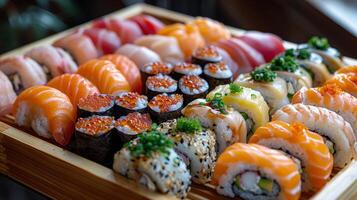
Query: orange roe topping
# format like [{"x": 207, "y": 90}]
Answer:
[
  {"x": 95, "y": 102},
  {"x": 206, "y": 52},
  {"x": 129, "y": 99},
  {"x": 164, "y": 101},
  {"x": 136, "y": 121},
  {"x": 183, "y": 66},
  {"x": 192, "y": 81},
  {"x": 213, "y": 67},
  {"x": 331, "y": 89},
  {"x": 95, "y": 125},
  {"x": 159, "y": 68},
  {"x": 158, "y": 82}
]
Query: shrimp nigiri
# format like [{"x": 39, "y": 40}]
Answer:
[
  {"x": 347, "y": 82},
  {"x": 7, "y": 95}
]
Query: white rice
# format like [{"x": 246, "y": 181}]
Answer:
[
  {"x": 189, "y": 91},
  {"x": 220, "y": 74},
  {"x": 171, "y": 88}
]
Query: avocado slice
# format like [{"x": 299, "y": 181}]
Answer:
[
  {"x": 237, "y": 182},
  {"x": 266, "y": 184}
]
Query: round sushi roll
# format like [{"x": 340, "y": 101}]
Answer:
[
  {"x": 195, "y": 145},
  {"x": 159, "y": 84},
  {"x": 217, "y": 74},
  {"x": 336, "y": 132},
  {"x": 204, "y": 55},
  {"x": 128, "y": 102},
  {"x": 228, "y": 124},
  {"x": 306, "y": 148},
  {"x": 129, "y": 126},
  {"x": 182, "y": 69},
  {"x": 164, "y": 107},
  {"x": 252, "y": 172},
  {"x": 151, "y": 161},
  {"x": 94, "y": 139},
  {"x": 193, "y": 87},
  {"x": 96, "y": 104},
  {"x": 155, "y": 68}
]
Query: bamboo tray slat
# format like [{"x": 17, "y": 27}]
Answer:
[{"x": 61, "y": 174}]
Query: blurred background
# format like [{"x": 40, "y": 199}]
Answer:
[{"x": 25, "y": 21}]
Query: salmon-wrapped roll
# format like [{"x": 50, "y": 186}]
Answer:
[
  {"x": 23, "y": 72},
  {"x": 54, "y": 61},
  {"x": 128, "y": 68},
  {"x": 48, "y": 111},
  {"x": 347, "y": 82},
  {"x": 188, "y": 36},
  {"x": 332, "y": 98},
  {"x": 74, "y": 86},
  {"x": 104, "y": 75},
  {"x": 167, "y": 47},
  {"x": 211, "y": 30},
  {"x": 336, "y": 132},
  {"x": 306, "y": 148},
  {"x": 7, "y": 94},
  {"x": 248, "y": 102},
  {"x": 228, "y": 124},
  {"x": 79, "y": 46},
  {"x": 348, "y": 70},
  {"x": 251, "y": 171},
  {"x": 273, "y": 88},
  {"x": 141, "y": 56}
]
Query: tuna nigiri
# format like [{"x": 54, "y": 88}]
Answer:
[
  {"x": 128, "y": 68},
  {"x": 7, "y": 95},
  {"x": 147, "y": 23},
  {"x": 212, "y": 31},
  {"x": 54, "y": 61},
  {"x": 347, "y": 82},
  {"x": 74, "y": 86},
  {"x": 48, "y": 111},
  {"x": 23, "y": 72},
  {"x": 306, "y": 148},
  {"x": 104, "y": 75},
  {"x": 140, "y": 55},
  {"x": 106, "y": 41},
  {"x": 332, "y": 98}
]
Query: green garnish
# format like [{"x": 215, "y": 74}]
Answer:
[
  {"x": 244, "y": 115},
  {"x": 290, "y": 52},
  {"x": 154, "y": 126},
  {"x": 149, "y": 143},
  {"x": 234, "y": 88},
  {"x": 253, "y": 96},
  {"x": 303, "y": 54},
  {"x": 318, "y": 43},
  {"x": 202, "y": 103},
  {"x": 188, "y": 125},
  {"x": 217, "y": 103},
  {"x": 284, "y": 63},
  {"x": 237, "y": 182},
  {"x": 266, "y": 184},
  {"x": 263, "y": 75},
  {"x": 290, "y": 96}
]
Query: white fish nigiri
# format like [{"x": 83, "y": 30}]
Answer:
[
  {"x": 140, "y": 55},
  {"x": 7, "y": 95}
]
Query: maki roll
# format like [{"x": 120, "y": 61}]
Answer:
[
  {"x": 151, "y": 161},
  {"x": 94, "y": 139},
  {"x": 155, "y": 68},
  {"x": 336, "y": 132},
  {"x": 204, "y": 55},
  {"x": 193, "y": 87},
  {"x": 159, "y": 84},
  {"x": 307, "y": 149},
  {"x": 217, "y": 74},
  {"x": 271, "y": 87},
  {"x": 128, "y": 102},
  {"x": 186, "y": 69},
  {"x": 227, "y": 123},
  {"x": 195, "y": 145},
  {"x": 96, "y": 104},
  {"x": 129, "y": 126},
  {"x": 254, "y": 172},
  {"x": 164, "y": 107}
]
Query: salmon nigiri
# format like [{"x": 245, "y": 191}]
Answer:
[
  {"x": 330, "y": 97},
  {"x": 128, "y": 68},
  {"x": 104, "y": 75},
  {"x": 347, "y": 82},
  {"x": 252, "y": 171},
  {"x": 306, "y": 148},
  {"x": 48, "y": 111},
  {"x": 74, "y": 86},
  {"x": 212, "y": 31},
  {"x": 348, "y": 70},
  {"x": 7, "y": 95},
  {"x": 188, "y": 36}
]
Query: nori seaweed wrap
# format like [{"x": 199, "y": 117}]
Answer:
[
  {"x": 217, "y": 74},
  {"x": 205, "y": 55},
  {"x": 155, "y": 68},
  {"x": 96, "y": 104},
  {"x": 193, "y": 87},
  {"x": 128, "y": 102},
  {"x": 159, "y": 84},
  {"x": 164, "y": 107}
]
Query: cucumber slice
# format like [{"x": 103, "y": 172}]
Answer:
[
  {"x": 266, "y": 184},
  {"x": 237, "y": 182}
]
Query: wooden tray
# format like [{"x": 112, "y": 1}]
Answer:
[{"x": 60, "y": 174}]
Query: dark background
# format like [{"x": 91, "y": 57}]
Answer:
[{"x": 23, "y": 22}]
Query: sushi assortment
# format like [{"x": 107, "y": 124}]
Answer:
[{"x": 167, "y": 105}]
